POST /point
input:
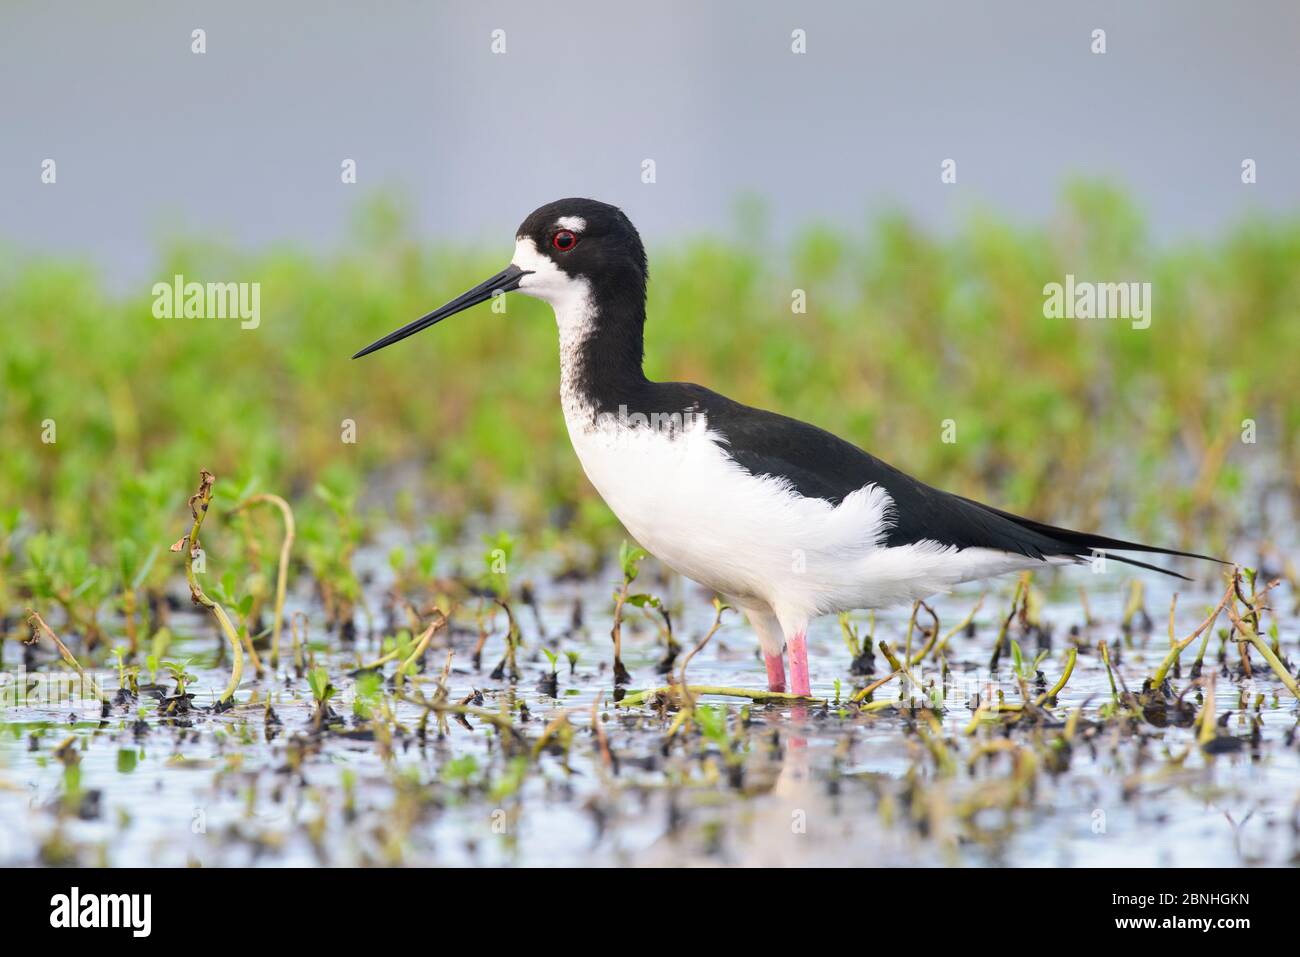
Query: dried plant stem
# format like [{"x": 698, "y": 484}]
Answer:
[
  {"x": 930, "y": 642},
  {"x": 911, "y": 627},
  {"x": 421, "y": 646},
  {"x": 1178, "y": 647},
  {"x": 37, "y": 624},
  {"x": 199, "y": 503},
  {"x": 1021, "y": 589},
  {"x": 1262, "y": 647},
  {"x": 687, "y": 699},
  {"x": 879, "y": 682},
  {"x": 621, "y": 675},
  {"x": 496, "y": 719},
  {"x": 508, "y": 666},
  {"x": 896, "y": 664},
  {"x": 964, "y": 623},
  {"x": 282, "y": 575}
]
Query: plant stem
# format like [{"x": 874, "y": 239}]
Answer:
[
  {"x": 602, "y": 739},
  {"x": 717, "y": 623},
  {"x": 970, "y": 616},
  {"x": 420, "y": 647},
  {"x": 1206, "y": 734},
  {"x": 1060, "y": 685},
  {"x": 35, "y": 622},
  {"x": 282, "y": 576},
  {"x": 634, "y": 698},
  {"x": 199, "y": 503},
  {"x": 861, "y": 695},
  {"x": 1262, "y": 647},
  {"x": 934, "y": 635},
  {"x": 1178, "y": 647},
  {"x": 621, "y": 675},
  {"x": 1006, "y": 624}
]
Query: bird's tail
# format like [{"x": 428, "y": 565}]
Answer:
[{"x": 1085, "y": 544}]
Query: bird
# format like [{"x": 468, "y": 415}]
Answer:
[{"x": 784, "y": 520}]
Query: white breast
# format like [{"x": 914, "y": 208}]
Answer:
[
  {"x": 752, "y": 537},
  {"x": 690, "y": 505}
]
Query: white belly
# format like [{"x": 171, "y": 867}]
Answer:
[
  {"x": 688, "y": 504},
  {"x": 752, "y": 537}
]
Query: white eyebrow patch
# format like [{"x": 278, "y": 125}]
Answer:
[{"x": 574, "y": 224}]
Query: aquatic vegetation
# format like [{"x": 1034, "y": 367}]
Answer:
[
  {"x": 629, "y": 561},
  {"x": 282, "y": 575},
  {"x": 325, "y": 687},
  {"x": 199, "y": 503}
]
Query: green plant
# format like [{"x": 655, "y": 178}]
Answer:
[
  {"x": 179, "y": 672},
  {"x": 629, "y": 560},
  {"x": 318, "y": 680}
]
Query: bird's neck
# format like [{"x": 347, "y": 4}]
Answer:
[{"x": 601, "y": 345}]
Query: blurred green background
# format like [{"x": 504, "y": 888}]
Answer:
[{"x": 1084, "y": 422}]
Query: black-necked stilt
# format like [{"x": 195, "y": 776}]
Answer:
[{"x": 787, "y": 521}]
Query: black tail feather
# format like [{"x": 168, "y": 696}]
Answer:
[
  {"x": 1084, "y": 544},
  {"x": 1146, "y": 565}
]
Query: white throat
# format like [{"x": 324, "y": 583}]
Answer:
[{"x": 575, "y": 315}]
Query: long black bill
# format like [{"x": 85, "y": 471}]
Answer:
[{"x": 504, "y": 281}]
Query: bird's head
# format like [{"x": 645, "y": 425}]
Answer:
[{"x": 566, "y": 251}]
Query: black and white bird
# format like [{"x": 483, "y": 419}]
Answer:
[{"x": 785, "y": 520}]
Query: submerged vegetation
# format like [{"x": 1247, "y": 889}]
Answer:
[{"x": 408, "y": 631}]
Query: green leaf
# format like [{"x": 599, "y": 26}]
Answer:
[
  {"x": 319, "y": 681},
  {"x": 369, "y": 684},
  {"x": 629, "y": 559},
  {"x": 713, "y": 722},
  {"x": 460, "y": 769}
]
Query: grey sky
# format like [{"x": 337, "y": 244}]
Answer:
[{"x": 244, "y": 142}]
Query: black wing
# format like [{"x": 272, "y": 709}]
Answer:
[{"x": 818, "y": 464}]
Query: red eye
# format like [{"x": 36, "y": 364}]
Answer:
[{"x": 564, "y": 240}]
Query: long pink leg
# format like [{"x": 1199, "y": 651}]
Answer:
[
  {"x": 775, "y": 672},
  {"x": 798, "y": 648}
]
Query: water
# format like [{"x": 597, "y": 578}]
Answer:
[{"x": 813, "y": 785}]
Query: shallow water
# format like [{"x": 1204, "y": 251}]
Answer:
[{"x": 803, "y": 785}]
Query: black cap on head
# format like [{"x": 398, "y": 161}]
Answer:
[{"x": 604, "y": 243}]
